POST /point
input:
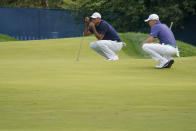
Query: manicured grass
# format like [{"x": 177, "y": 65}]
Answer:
[{"x": 43, "y": 88}]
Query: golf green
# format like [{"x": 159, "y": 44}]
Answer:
[{"x": 43, "y": 88}]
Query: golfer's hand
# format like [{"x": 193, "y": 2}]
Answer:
[
  {"x": 87, "y": 20},
  {"x": 92, "y": 24}
]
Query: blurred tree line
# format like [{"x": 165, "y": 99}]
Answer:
[
  {"x": 129, "y": 15},
  {"x": 52, "y": 4},
  {"x": 124, "y": 15}
]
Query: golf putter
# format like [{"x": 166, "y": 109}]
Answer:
[
  {"x": 178, "y": 53},
  {"x": 79, "y": 50},
  {"x": 171, "y": 25}
]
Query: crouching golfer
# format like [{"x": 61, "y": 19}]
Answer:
[
  {"x": 108, "y": 40},
  {"x": 166, "y": 47}
]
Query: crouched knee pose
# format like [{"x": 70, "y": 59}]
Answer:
[
  {"x": 163, "y": 50},
  {"x": 108, "y": 40}
]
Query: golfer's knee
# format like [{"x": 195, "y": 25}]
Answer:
[
  {"x": 96, "y": 45},
  {"x": 100, "y": 44},
  {"x": 93, "y": 45},
  {"x": 145, "y": 47}
]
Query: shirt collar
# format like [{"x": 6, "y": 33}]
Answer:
[
  {"x": 99, "y": 23},
  {"x": 158, "y": 22}
]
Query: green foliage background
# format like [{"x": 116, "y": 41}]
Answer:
[{"x": 129, "y": 15}]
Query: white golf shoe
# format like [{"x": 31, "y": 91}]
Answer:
[
  {"x": 162, "y": 64},
  {"x": 114, "y": 58}
]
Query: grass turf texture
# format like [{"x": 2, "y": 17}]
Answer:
[{"x": 42, "y": 88}]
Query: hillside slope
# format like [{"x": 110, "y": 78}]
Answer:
[
  {"x": 4, "y": 38},
  {"x": 134, "y": 43}
]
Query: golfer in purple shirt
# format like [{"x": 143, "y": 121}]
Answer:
[{"x": 165, "y": 48}]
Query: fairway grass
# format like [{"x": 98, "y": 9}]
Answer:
[{"x": 43, "y": 88}]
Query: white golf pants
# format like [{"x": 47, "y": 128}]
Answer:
[
  {"x": 106, "y": 48},
  {"x": 159, "y": 52}
]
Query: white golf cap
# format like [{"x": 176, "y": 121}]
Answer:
[
  {"x": 96, "y": 15},
  {"x": 152, "y": 17}
]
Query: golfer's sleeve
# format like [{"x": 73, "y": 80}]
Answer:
[
  {"x": 154, "y": 32},
  {"x": 103, "y": 29}
]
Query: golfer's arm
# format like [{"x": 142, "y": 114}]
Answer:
[
  {"x": 86, "y": 31},
  {"x": 99, "y": 36},
  {"x": 149, "y": 40}
]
